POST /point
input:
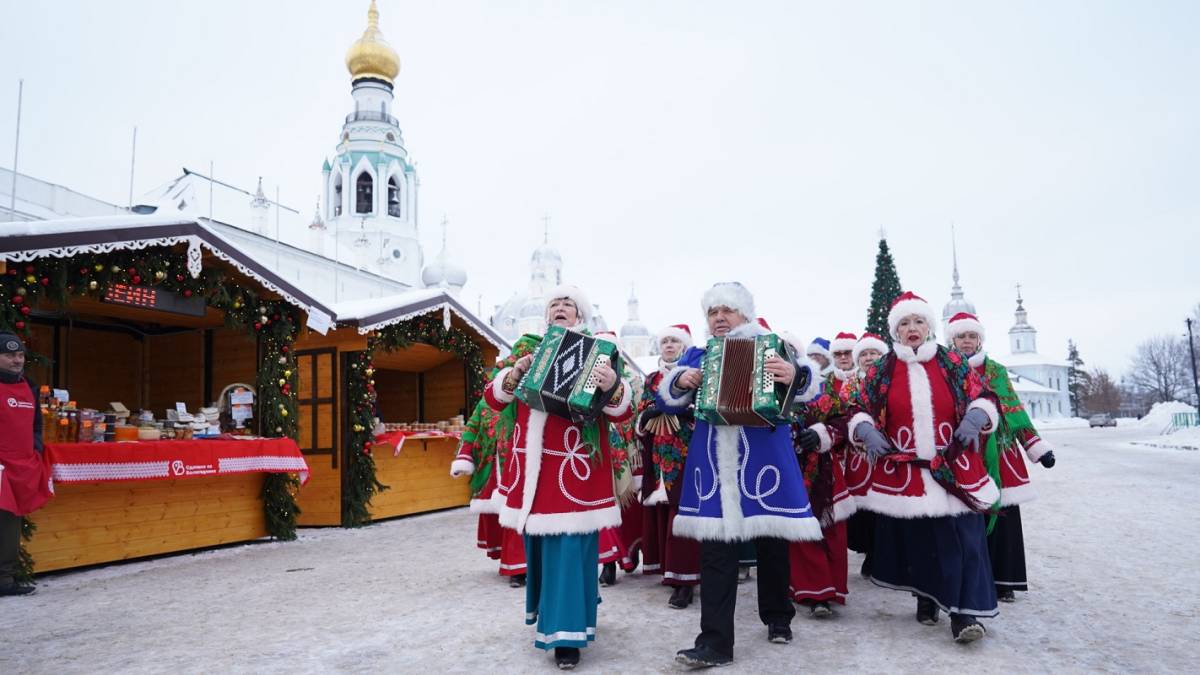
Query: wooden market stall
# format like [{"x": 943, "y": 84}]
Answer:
[
  {"x": 156, "y": 314},
  {"x": 411, "y": 361}
]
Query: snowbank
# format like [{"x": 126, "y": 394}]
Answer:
[
  {"x": 1159, "y": 417},
  {"x": 1184, "y": 439},
  {"x": 1061, "y": 423}
]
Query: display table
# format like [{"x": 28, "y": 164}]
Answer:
[
  {"x": 161, "y": 460},
  {"x": 419, "y": 479},
  {"x": 396, "y": 438},
  {"x": 117, "y": 501}
]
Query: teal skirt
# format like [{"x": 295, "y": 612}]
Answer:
[{"x": 561, "y": 590}]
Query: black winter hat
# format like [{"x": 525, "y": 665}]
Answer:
[{"x": 10, "y": 343}]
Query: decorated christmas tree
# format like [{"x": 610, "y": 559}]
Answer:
[{"x": 885, "y": 289}]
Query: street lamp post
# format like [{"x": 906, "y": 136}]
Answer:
[{"x": 1192, "y": 351}]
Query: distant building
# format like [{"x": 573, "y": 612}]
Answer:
[
  {"x": 1040, "y": 381},
  {"x": 635, "y": 337},
  {"x": 40, "y": 200}
]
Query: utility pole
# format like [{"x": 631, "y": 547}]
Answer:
[
  {"x": 12, "y": 201},
  {"x": 132, "y": 163},
  {"x": 1192, "y": 350}
]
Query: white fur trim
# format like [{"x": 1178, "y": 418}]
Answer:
[
  {"x": 815, "y": 383},
  {"x": 1040, "y": 447},
  {"x": 677, "y": 333},
  {"x": 461, "y": 467},
  {"x": 664, "y": 389},
  {"x": 844, "y": 508},
  {"x": 923, "y": 352},
  {"x": 578, "y": 522},
  {"x": 728, "y": 455},
  {"x": 989, "y": 409},
  {"x": 814, "y": 348},
  {"x": 866, "y": 343},
  {"x": 1019, "y": 494},
  {"x": 679, "y": 577},
  {"x": 582, "y": 304},
  {"x": 534, "y": 433},
  {"x": 823, "y": 433},
  {"x": 842, "y": 345},
  {"x": 857, "y": 419},
  {"x": 921, "y": 395},
  {"x": 977, "y": 359},
  {"x": 778, "y": 527},
  {"x": 659, "y": 496},
  {"x": 622, "y": 405},
  {"x": 956, "y": 328},
  {"x": 907, "y": 308},
  {"x": 749, "y": 329},
  {"x": 732, "y": 295},
  {"x": 488, "y": 505},
  {"x": 934, "y": 503},
  {"x": 498, "y": 387}
]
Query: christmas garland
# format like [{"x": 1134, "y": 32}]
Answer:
[
  {"x": 361, "y": 482},
  {"x": 273, "y": 322}
]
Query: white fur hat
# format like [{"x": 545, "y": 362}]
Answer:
[
  {"x": 729, "y": 294},
  {"x": 679, "y": 331},
  {"x": 964, "y": 322},
  {"x": 574, "y": 294},
  {"x": 870, "y": 341},
  {"x": 907, "y": 304}
]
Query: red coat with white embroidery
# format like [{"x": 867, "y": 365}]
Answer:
[
  {"x": 826, "y": 415},
  {"x": 917, "y": 409},
  {"x": 1016, "y": 428},
  {"x": 551, "y": 482}
]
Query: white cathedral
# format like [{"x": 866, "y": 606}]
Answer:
[{"x": 1039, "y": 381}]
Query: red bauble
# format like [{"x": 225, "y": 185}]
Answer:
[
  {"x": 187, "y": 292},
  {"x": 83, "y": 270},
  {"x": 275, "y": 317},
  {"x": 132, "y": 271},
  {"x": 284, "y": 349},
  {"x": 12, "y": 272},
  {"x": 25, "y": 310},
  {"x": 45, "y": 281},
  {"x": 29, "y": 269},
  {"x": 18, "y": 299},
  {"x": 178, "y": 277},
  {"x": 257, "y": 326},
  {"x": 20, "y": 325}
]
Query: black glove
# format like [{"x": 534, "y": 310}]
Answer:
[
  {"x": 1047, "y": 460},
  {"x": 807, "y": 440}
]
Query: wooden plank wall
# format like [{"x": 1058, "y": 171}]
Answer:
[
  {"x": 235, "y": 359},
  {"x": 91, "y": 523},
  {"x": 320, "y": 500},
  {"x": 445, "y": 391},
  {"x": 100, "y": 366},
  {"x": 419, "y": 479},
  {"x": 398, "y": 400},
  {"x": 176, "y": 372}
]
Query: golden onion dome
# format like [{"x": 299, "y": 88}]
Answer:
[{"x": 371, "y": 55}]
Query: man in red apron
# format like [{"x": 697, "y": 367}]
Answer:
[{"x": 24, "y": 481}]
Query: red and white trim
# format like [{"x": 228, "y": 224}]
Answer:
[
  {"x": 1037, "y": 449},
  {"x": 823, "y": 433}
]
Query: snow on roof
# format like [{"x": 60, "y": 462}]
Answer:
[
  {"x": 30, "y": 240},
  {"x": 374, "y": 313},
  {"x": 1030, "y": 359},
  {"x": 1027, "y": 386}
]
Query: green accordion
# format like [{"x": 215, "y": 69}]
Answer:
[
  {"x": 562, "y": 378},
  {"x": 737, "y": 389}
]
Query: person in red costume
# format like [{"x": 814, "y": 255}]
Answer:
[{"x": 24, "y": 483}]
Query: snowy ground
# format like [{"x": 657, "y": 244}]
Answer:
[{"x": 1112, "y": 547}]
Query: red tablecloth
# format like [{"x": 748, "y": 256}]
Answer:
[
  {"x": 163, "y": 460},
  {"x": 397, "y": 438}
]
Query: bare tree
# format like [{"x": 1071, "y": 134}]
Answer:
[
  {"x": 1103, "y": 396},
  {"x": 1161, "y": 368}
]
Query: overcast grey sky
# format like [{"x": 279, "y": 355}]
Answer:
[{"x": 675, "y": 144}]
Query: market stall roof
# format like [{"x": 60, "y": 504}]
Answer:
[
  {"x": 25, "y": 241},
  {"x": 373, "y": 313}
]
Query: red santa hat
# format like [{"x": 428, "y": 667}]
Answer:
[
  {"x": 907, "y": 304},
  {"x": 763, "y": 322},
  {"x": 679, "y": 331},
  {"x": 574, "y": 294},
  {"x": 870, "y": 341},
  {"x": 843, "y": 342},
  {"x": 964, "y": 322},
  {"x": 729, "y": 294}
]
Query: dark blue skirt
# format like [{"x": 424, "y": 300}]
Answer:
[{"x": 944, "y": 559}]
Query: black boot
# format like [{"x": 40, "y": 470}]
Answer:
[
  {"x": 1005, "y": 594},
  {"x": 966, "y": 628},
  {"x": 516, "y": 581},
  {"x": 16, "y": 589},
  {"x": 702, "y": 657},
  {"x": 608, "y": 574},
  {"x": 743, "y": 573},
  {"x": 927, "y": 611},
  {"x": 865, "y": 570},
  {"x": 566, "y": 658},
  {"x": 635, "y": 556},
  {"x": 681, "y": 598},
  {"x": 820, "y": 610}
]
